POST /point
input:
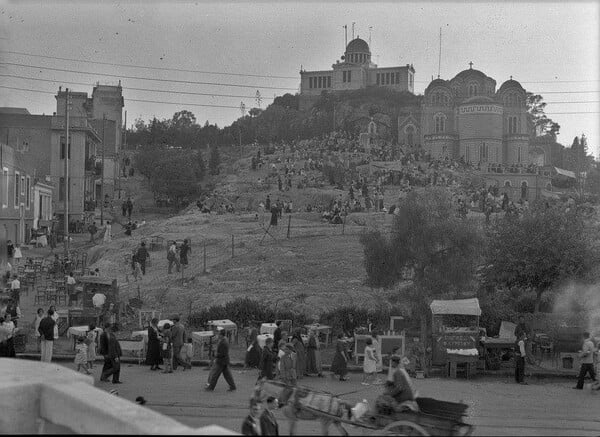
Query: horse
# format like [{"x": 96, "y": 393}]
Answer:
[{"x": 294, "y": 400}]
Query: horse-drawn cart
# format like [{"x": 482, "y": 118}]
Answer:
[{"x": 432, "y": 418}]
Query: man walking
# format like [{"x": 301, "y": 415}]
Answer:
[
  {"x": 178, "y": 338},
  {"x": 221, "y": 365},
  {"x": 142, "y": 256},
  {"x": 92, "y": 229},
  {"x": 129, "y": 207},
  {"x": 46, "y": 330},
  {"x": 587, "y": 361},
  {"x": 111, "y": 349}
]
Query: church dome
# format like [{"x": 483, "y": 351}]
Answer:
[
  {"x": 437, "y": 82},
  {"x": 358, "y": 45},
  {"x": 511, "y": 83},
  {"x": 469, "y": 72}
]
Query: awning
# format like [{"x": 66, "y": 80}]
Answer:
[
  {"x": 467, "y": 307},
  {"x": 566, "y": 173}
]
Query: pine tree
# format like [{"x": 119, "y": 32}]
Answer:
[{"x": 214, "y": 160}]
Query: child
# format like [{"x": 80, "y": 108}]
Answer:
[
  {"x": 167, "y": 348},
  {"x": 370, "y": 362},
  {"x": 137, "y": 270},
  {"x": 17, "y": 255},
  {"x": 81, "y": 358}
]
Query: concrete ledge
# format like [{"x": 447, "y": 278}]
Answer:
[{"x": 37, "y": 397}]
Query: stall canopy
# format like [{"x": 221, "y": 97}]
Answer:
[
  {"x": 565, "y": 173},
  {"x": 467, "y": 307}
]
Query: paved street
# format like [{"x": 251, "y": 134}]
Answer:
[{"x": 497, "y": 406}]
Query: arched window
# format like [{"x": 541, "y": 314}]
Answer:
[
  {"x": 473, "y": 89},
  {"x": 410, "y": 135},
  {"x": 483, "y": 152},
  {"x": 440, "y": 123},
  {"x": 512, "y": 125}
]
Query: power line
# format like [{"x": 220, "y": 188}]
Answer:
[
  {"x": 64, "y": 70},
  {"x": 133, "y": 100},
  {"x": 148, "y": 67},
  {"x": 131, "y": 88}
]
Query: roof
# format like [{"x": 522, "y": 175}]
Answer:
[
  {"x": 467, "y": 307},
  {"x": 358, "y": 45},
  {"x": 437, "y": 82},
  {"x": 566, "y": 173},
  {"x": 478, "y": 99},
  {"x": 511, "y": 83},
  {"x": 9, "y": 110},
  {"x": 469, "y": 72}
]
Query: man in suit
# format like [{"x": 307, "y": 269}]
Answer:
[
  {"x": 178, "y": 336},
  {"x": 268, "y": 423},
  {"x": 277, "y": 336},
  {"x": 111, "y": 349},
  {"x": 221, "y": 365},
  {"x": 252, "y": 423}
]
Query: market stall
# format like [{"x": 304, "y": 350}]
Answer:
[
  {"x": 455, "y": 327},
  {"x": 98, "y": 293}
]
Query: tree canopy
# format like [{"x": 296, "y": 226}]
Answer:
[{"x": 538, "y": 118}]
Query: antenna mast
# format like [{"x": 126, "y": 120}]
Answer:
[
  {"x": 353, "y": 29},
  {"x": 345, "y": 26},
  {"x": 370, "y": 29},
  {"x": 440, "y": 55}
]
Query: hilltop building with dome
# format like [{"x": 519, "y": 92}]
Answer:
[{"x": 354, "y": 71}]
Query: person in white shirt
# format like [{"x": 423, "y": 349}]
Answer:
[
  {"x": 17, "y": 254},
  {"x": 15, "y": 288},
  {"x": 36, "y": 324},
  {"x": 586, "y": 354},
  {"x": 71, "y": 282},
  {"x": 107, "y": 233},
  {"x": 520, "y": 355}
]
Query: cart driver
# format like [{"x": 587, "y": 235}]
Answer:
[{"x": 399, "y": 393}]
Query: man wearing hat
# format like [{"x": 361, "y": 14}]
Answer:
[
  {"x": 221, "y": 365},
  {"x": 399, "y": 393}
]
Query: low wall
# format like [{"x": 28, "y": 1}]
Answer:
[{"x": 37, "y": 398}]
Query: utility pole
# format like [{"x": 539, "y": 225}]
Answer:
[
  {"x": 243, "y": 111},
  {"x": 66, "y": 217},
  {"x": 102, "y": 174},
  {"x": 123, "y": 149}
]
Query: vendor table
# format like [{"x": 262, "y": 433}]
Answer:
[
  {"x": 321, "y": 329},
  {"x": 78, "y": 331},
  {"x": 268, "y": 328},
  {"x": 227, "y": 325},
  {"x": 202, "y": 338},
  {"x": 262, "y": 339},
  {"x": 453, "y": 359}
]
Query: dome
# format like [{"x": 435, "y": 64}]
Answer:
[
  {"x": 358, "y": 45},
  {"x": 478, "y": 99},
  {"x": 437, "y": 82},
  {"x": 510, "y": 84},
  {"x": 469, "y": 72}
]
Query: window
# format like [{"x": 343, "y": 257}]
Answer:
[
  {"x": 343, "y": 76},
  {"x": 5, "y": 185},
  {"x": 398, "y": 78},
  {"x": 512, "y": 125},
  {"x": 28, "y": 192},
  {"x": 320, "y": 81},
  {"x": 387, "y": 78},
  {"x": 518, "y": 154},
  {"x": 440, "y": 123},
  {"x": 483, "y": 152},
  {"x": 17, "y": 188},
  {"x": 410, "y": 135},
  {"x": 61, "y": 189},
  {"x": 328, "y": 81},
  {"x": 473, "y": 89},
  {"x": 350, "y": 76},
  {"x": 377, "y": 79},
  {"x": 310, "y": 84},
  {"x": 62, "y": 147}
]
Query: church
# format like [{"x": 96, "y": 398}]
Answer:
[{"x": 467, "y": 117}]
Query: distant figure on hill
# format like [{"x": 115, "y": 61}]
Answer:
[
  {"x": 183, "y": 252},
  {"x": 124, "y": 208},
  {"x": 129, "y": 207},
  {"x": 268, "y": 203},
  {"x": 172, "y": 256},
  {"x": 107, "y": 232},
  {"x": 92, "y": 229},
  {"x": 274, "y": 215}
]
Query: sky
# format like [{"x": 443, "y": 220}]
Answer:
[{"x": 235, "y": 49}]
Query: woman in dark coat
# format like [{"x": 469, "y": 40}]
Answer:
[
  {"x": 153, "y": 357},
  {"x": 300, "y": 348},
  {"x": 253, "y": 353},
  {"x": 339, "y": 366}
]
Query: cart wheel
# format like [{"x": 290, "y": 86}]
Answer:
[{"x": 403, "y": 427}]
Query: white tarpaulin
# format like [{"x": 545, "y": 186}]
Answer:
[
  {"x": 566, "y": 173},
  {"x": 467, "y": 307}
]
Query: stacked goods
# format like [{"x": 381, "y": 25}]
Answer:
[{"x": 323, "y": 402}]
